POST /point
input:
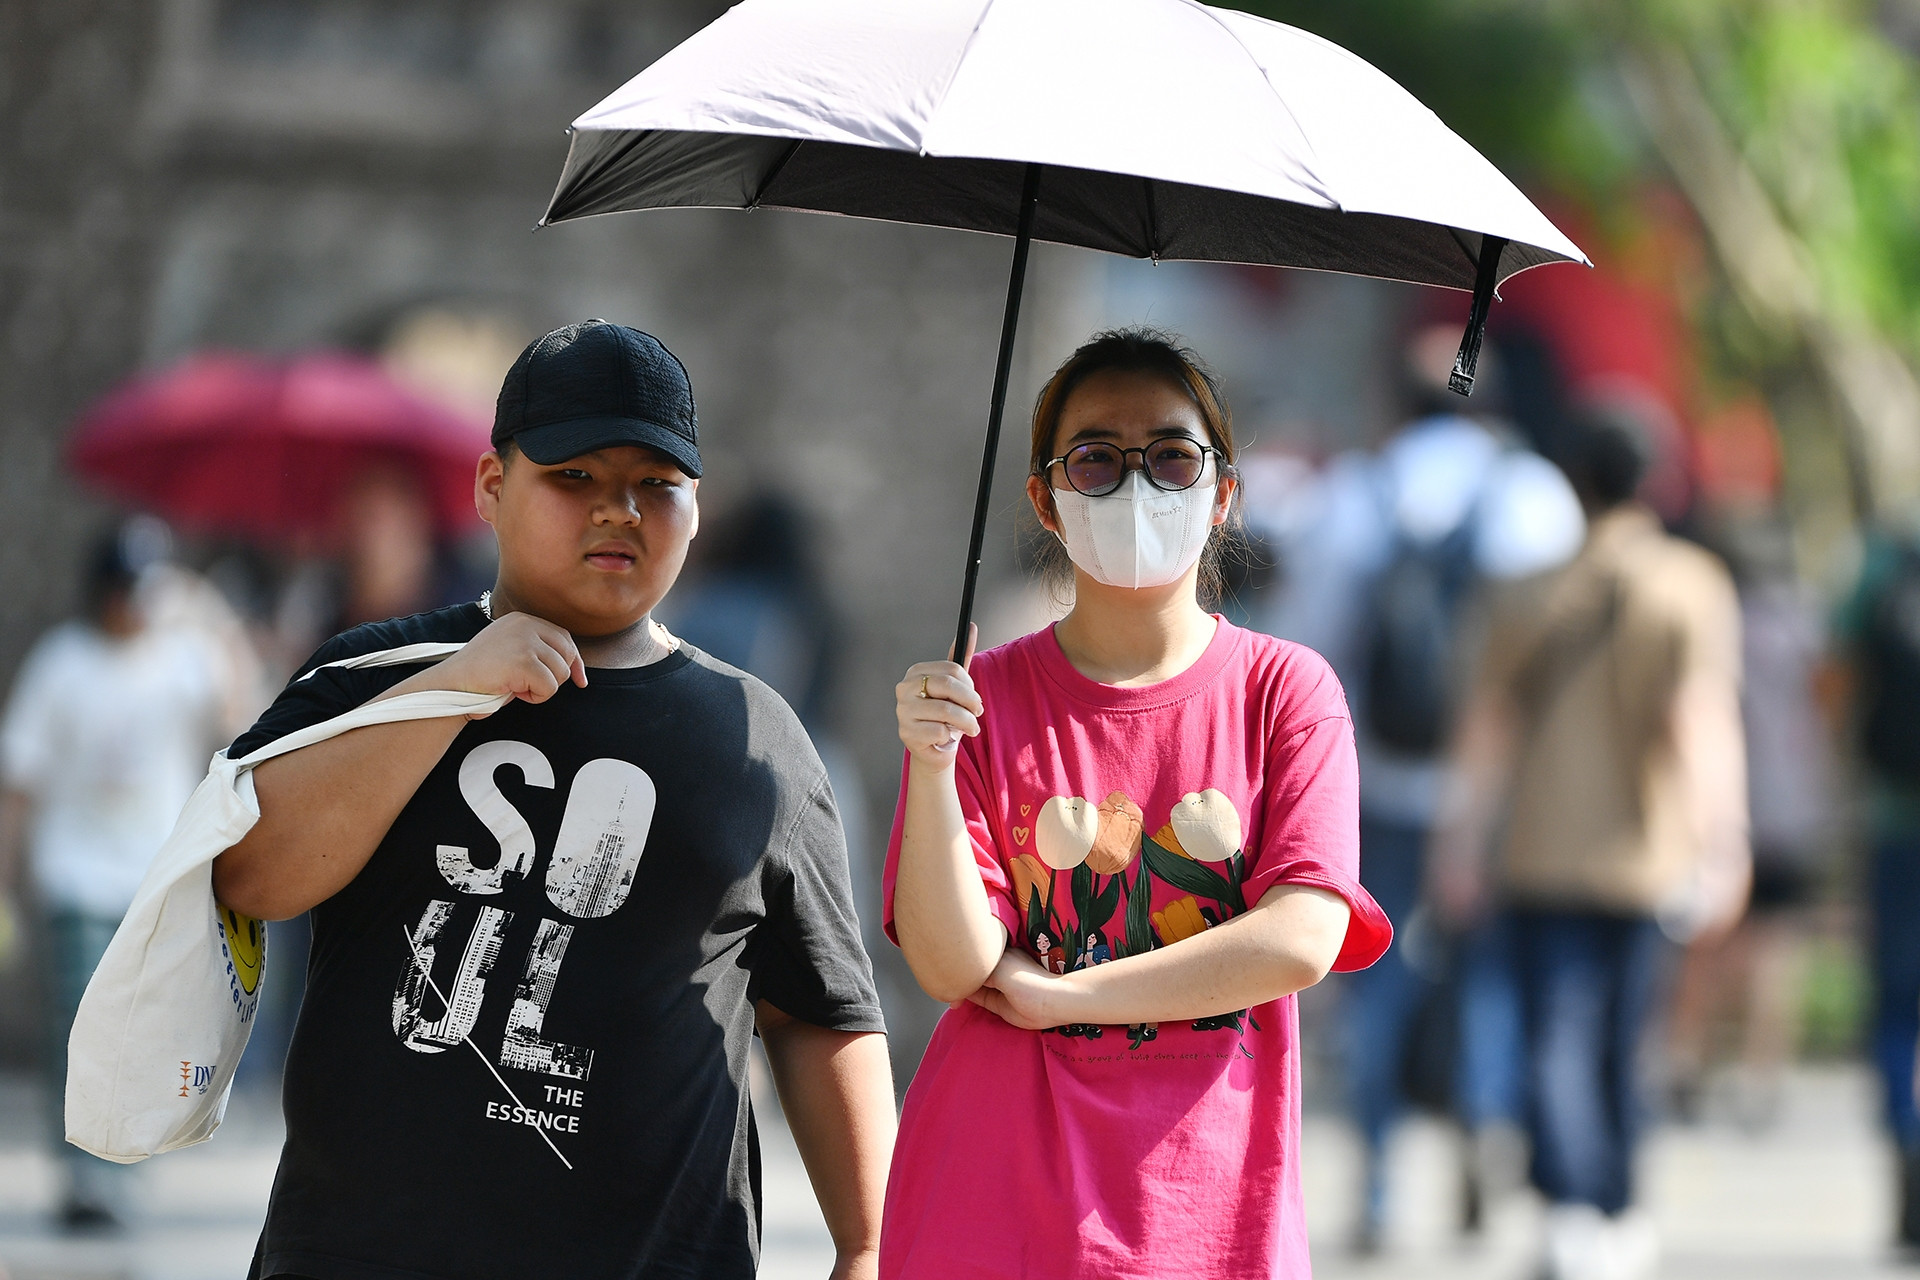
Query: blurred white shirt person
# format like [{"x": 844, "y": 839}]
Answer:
[{"x": 106, "y": 733}]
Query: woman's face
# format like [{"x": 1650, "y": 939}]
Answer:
[{"x": 1130, "y": 410}]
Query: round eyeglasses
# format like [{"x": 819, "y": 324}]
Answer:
[{"x": 1096, "y": 468}]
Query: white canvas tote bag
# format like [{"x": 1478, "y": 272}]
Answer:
[{"x": 167, "y": 1014}]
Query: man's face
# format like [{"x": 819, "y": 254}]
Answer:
[{"x": 593, "y": 543}]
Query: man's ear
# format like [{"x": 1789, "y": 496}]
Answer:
[
  {"x": 1042, "y": 499},
  {"x": 694, "y": 487},
  {"x": 488, "y": 475}
]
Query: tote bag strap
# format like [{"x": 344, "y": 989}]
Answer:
[
  {"x": 426, "y": 651},
  {"x": 425, "y": 705}
]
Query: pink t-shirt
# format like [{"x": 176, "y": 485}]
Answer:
[{"x": 1107, "y": 821}]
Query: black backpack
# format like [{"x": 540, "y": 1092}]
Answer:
[
  {"x": 1890, "y": 654},
  {"x": 1413, "y": 620}
]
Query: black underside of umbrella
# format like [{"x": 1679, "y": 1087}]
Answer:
[{"x": 610, "y": 171}]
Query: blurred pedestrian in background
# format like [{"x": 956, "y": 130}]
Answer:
[
  {"x": 1600, "y": 764},
  {"x": 385, "y": 558},
  {"x": 1381, "y": 582},
  {"x": 1757, "y": 973},
  {"x": 107, "y": 732},
  {"x": 758, "y": 603},
  {"x": 756, "y": 600},
  {"x": 1880, "y": 627}
]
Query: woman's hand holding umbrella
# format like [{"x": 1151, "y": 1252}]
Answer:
[{"x": 936, "y": 705}]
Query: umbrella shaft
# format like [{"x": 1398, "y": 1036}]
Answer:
[{"x": 1016, "y": 281}]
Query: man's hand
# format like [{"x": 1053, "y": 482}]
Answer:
[
  {"x": 517, "y": 655},
  {"x": 1457, "y": 881}
]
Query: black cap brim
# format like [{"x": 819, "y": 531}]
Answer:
[{"x": 551, "y": 443}]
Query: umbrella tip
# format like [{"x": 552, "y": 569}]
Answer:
[{"x": 1460, "y": 381}]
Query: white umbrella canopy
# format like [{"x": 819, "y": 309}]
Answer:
[
  {"x": 1151, "y": 128},
  {"x": 1168, "y": 129}
]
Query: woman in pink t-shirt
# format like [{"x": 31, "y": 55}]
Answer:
[{"x": 1122, "y": 844}]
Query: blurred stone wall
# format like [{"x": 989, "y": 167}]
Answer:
[
  {"x": 77, "y": 196},
  {"x": 76, "y": 253},
  {"x": 279, "y": 174}
]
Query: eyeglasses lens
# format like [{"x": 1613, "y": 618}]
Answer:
[
  {"x": 1097, "y": 469},
  {"x": 1094, "y": 469},
  {"x": 1174, "y": 464}
]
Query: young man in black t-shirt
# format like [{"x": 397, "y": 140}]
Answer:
[{"x": 543, "y": 939}]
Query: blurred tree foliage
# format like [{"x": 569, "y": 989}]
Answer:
[
  {"x": 1793, "y": 126},
  {"x": 1822, "y": 105}
]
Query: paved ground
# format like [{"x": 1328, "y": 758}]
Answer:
[{"x": 1810, "y": 1198}]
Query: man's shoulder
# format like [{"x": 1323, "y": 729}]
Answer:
[
  {"x": 315, "y": 694},
  {"x": 741, "y": 729},
  {"x": 722, "y": 680}
]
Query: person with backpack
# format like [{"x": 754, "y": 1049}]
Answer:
[
  {"x": 1598, "y": 798},
  {"x": 1879, "y": 628},
  {"x": 1382, "y": 581}
]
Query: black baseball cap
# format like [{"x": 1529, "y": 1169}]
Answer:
[{"x": 593, "y": 385}]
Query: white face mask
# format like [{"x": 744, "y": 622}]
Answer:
[{"x": 1137, "y": 536}]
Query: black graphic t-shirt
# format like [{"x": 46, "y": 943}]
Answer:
[{"x": 523, "y": 1048}]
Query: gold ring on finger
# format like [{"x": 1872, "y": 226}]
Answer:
[{"x": 923, "y": 688}]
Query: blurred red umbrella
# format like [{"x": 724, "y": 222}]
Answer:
[{"x": 232, "y": 443}]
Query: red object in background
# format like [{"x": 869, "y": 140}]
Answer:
[
  {"x": 239, "y": 444},
  {"x": 1737, "y": 454},
  {"x": 1624, "y": 321}
]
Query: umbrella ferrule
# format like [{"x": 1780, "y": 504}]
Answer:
[{"x": 1484, "y": 282}]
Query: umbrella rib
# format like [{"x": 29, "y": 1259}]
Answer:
[
  {"x": 958, "y": 63},
  {"x": 779, "y": 167},
  {"x": 1473, "y": 257},
  {"x": 1278, "y": 97}
]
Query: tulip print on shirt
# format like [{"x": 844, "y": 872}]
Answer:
[{"x": 1112, "y": 871}]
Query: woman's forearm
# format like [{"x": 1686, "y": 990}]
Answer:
[
  {"x": 1285, "y": 944},
  {"x": 949, "y": 936}
]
